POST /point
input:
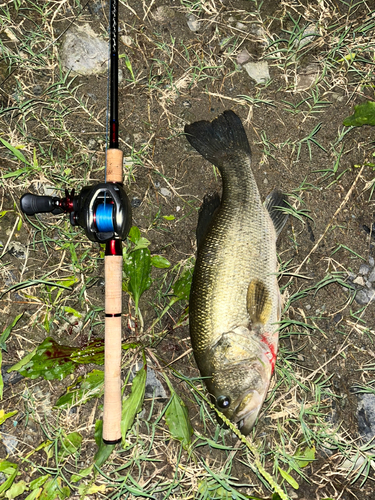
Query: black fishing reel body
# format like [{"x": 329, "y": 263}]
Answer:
[{"x": 103, "y": 210}]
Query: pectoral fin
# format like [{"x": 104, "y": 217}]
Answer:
[
  {"x": 259, "y": 304},
  {"x": 274, "y": 203}
]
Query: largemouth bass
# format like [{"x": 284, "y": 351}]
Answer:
[{"x": 235, "y": 302}]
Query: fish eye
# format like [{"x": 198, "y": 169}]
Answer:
[{"x": 223, "y": 402}]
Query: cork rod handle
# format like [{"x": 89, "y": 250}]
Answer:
[{"x": 113, "y": 310}]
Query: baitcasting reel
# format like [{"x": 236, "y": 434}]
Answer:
[{"x": 103, "y": 210}]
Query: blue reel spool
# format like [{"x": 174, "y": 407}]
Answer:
[{"x": 104, "y": 217}]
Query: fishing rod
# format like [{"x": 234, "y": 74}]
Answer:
[{"x": 104, "y": 212}]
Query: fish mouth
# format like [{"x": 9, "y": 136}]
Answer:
[{"x": 248, "y": 411}]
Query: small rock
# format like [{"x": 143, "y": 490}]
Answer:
[
  {"x": 361, "y": 297},
  {"x": 18, "y": 250},
  {"x": 126, "y": 40},
  {"x": 37, "y": 90},
  {"x": 11, "y": 378},
  {"x": 337, "y": 318},
  {"x": 186, "y": 104},
  {"x": 371, "y": 261},
  {"x": 307, "y": 77},
  {"x": 243, "y": 57},
  {"x": 372, "y": 276},
  {"x": 351, "y": 276},
  {"x": 240, "y": 26},
  {"x": 365, "y": 296},
  {"x": 49, "y": 190},
  {"x": 163, "y": 14},
  {"x": 165, "y": 192},
  {"x": 135, "y": 202},
  {"x": 193, "y": 23},
  {"x": 83, "y": 52},
  {"x": 368, "y": 284},
  {"x": 366, "y": 416},
  {"x": 258, "y": 71},
  {"x": 305, "y": 38},
  {"x": 10, "y": 442},
  {"x": 359, "y": 281},
  {"x": 154, "y": 388},
  {"x": 364, "y": 269}
]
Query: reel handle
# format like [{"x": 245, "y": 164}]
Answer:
[{"x": 32, "y": 204}]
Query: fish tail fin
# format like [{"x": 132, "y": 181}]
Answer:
[{"x": 216, "y": 140}]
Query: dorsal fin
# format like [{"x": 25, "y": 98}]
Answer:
[
  {"x": 211, "y": 203},
  {"x": 274, "y": 203},
  {"x": 259, "y": 303}
]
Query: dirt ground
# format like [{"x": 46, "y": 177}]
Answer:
[{"x": 180, "y": 76}]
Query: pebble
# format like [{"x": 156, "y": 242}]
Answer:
[
  {"x": 165, "y": 192},
  {"x": 258, "y": 71},
  {"x": 11, "y": 377},
  {"x": 135, "y": 202},
  {"x": 18, "y": 250},
  {"x": 366, "y": 416},
  {"x": 305, "y": 39},
  {"x": 241, "y": 26},
  {"x": 372, "y": 276},
  {"x": 193, "y": 23},
  {"x": 154, "y": 388},
  {"x": 364, "y": 269},
  {"x": 83, "y": 52},
  {"x": 164, "y": 14},
  {"x": 371, "y": 261},
  {"x": 307, "y": 77},
  {"x": 359, "y": 281},
  {"x": 365, "y": 296},
  {"x": 243, "y": 57},
  {"x": 10, "y": 442}
]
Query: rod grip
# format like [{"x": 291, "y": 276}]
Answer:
[
  {"x": 112, "y": 349},
  {"x": 114, "y": 165}
]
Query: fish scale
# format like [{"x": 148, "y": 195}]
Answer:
[{"x": 235, "y": 300}]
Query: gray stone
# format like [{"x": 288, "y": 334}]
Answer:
[
  {"x": 307, "y": 77},
  {"x": 308, "y": 36},
  {"x": 243, "y": 57},
  {"x": 372, "y": 276},
  {"x": 163, "y": 14},
  {"x": 351, "y": 276},
  {"x": 165, "y": 192},
  {"x": 364, "y": 269},
  {"x": 366, "y": 416},
  {"x": 258, "y": 71},
  {"x": 154, "y": 388},
  {"x": 371, "y": 261},
  {"x": 10, "y": 442},
  {"x": 193, "y": 23},
  {"x": 18, "y": 250},
  {"x": 361, "y": 297},
  {"x": 83, "y": 52}
]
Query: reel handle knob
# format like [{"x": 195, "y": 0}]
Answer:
[{"x": 32, "y": 204}]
